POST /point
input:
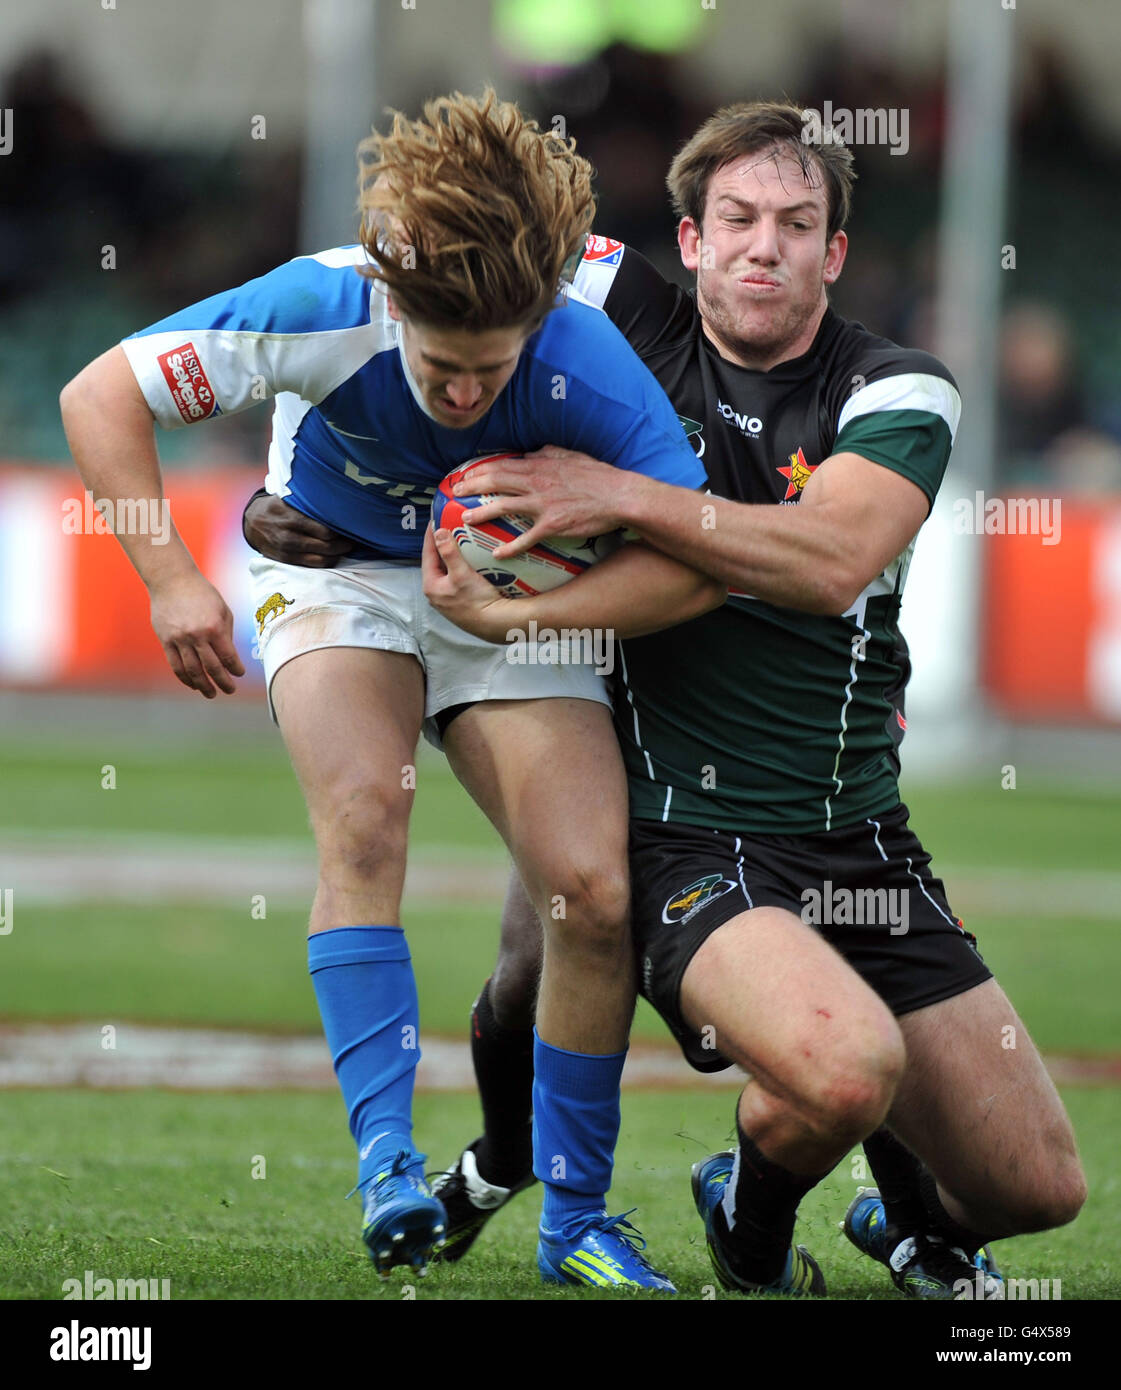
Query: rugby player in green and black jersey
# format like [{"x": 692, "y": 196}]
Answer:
[{"x": 784, "y": 913}]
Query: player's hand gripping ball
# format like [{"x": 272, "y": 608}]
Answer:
[{"x": 545, "y": 566}]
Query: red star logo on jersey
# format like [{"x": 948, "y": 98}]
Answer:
[{"x": 797, "y": 474}]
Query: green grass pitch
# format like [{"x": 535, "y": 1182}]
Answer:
[
  {"x": 151, "y": 1185},
  {"x": 138, "y": 1184}
]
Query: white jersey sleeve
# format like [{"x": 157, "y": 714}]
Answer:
[{"x": 303, "y": 328}]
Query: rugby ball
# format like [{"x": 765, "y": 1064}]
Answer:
[{"x": 545, "y": 566}]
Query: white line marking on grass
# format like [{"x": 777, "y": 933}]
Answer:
[
  {"x": 69, "y": 866},
  {"x": 69, "y": 1055}
]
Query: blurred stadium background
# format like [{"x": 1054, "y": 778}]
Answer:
[{"x": 155, "y": 866}]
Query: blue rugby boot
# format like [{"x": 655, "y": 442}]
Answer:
[
  {"x": 606, "y": 1254},
  {"x": 402, "y": 1223},
  {"x": 921, "y": 1265},
  {"x": 801, "y": 1276}
]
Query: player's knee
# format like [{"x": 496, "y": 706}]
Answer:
[
  {"x": 590, "y": 905},
  {"x": 851, "y": 1094},
  {"x": 364, "y": 832},
  {"x": 848, "y": 1108}
]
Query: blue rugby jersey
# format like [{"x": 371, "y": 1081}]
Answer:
[{"x": 352, "y": 444}]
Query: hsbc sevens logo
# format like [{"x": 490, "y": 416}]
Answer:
[{"x": 187, "y": 382}]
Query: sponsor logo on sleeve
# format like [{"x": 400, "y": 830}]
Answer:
[
  {"x": 602, "y": 250},
  {"x": 187, "y": 382}
]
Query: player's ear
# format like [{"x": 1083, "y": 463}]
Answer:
[
  {"x": 689, "y": 243},
  {"x": 835, "y": 254},
  {"x": 391, "y": 305}
]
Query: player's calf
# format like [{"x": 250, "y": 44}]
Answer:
[
  {"x": 961, "y": 1108},
  {"x": 517, "y": 971},
  {"x": 499, "y": 1164},
  {"x": 1025, "y": 1205}
]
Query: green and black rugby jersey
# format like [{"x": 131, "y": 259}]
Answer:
[{"x": 757, "y": 717}]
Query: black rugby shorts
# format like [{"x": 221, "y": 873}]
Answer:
[{"x": 867, "y": 888}]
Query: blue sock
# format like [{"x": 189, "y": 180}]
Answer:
[
  {"x": 363, "y": 978},
  {"x": 575, "y": 1128}
]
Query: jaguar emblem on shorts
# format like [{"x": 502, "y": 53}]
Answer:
[
  {"x": 690, "y": 900},
  {"x": 272, "y": 607}
]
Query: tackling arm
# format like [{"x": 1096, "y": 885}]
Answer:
[
  {"x": 630, "y": 593},
  {"x": 853, "y": 519}
]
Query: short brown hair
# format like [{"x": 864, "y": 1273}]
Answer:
[
  {"x": 754, "y": 128},
  {"x": 469, "y": 214}
]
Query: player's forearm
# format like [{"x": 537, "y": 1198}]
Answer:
[
  {"x": 634, "y": 591},
  {"x": 791, "y": 556},
  {"x": 112, "y": 441}
]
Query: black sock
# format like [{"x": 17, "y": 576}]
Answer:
[
  {"x": 766, "y": 1203},
  {"x": 503, "y": 1060},
  {"x": 939, "y": 1222},
  {"x": 897, "y": 1172}
]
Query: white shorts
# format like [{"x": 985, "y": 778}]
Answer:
[{"x": 383, "y": 607}]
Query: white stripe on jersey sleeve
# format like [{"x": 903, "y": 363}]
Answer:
[
  {"x": 340, "y": 256},
  {"x": 908, "y": 391},
  {"x": 571, "y": 292}
]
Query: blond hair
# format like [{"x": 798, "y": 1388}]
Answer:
[{"x": 469, "y": 214}]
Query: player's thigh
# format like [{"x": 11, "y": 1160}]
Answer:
[
  {"x": 345, "y": 681},
  {"x": 350, "y": 718},
  {"x": 976, "y": 1101},
  {"x": 549, "y": 775},
  {"x": 783, "y": 1004}
]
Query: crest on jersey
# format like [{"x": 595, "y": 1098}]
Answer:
[
  {"x": 690, "y": 900},
  {"x": 797, "y": 474},
  {"x": 602, "y": 250},
  {"x": 692, "y": 430}
]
